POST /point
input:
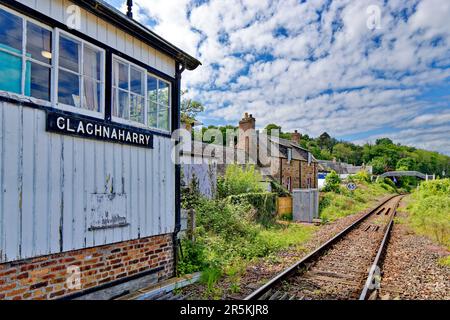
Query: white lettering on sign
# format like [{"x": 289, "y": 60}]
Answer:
[{"x": 93, "y": 129}]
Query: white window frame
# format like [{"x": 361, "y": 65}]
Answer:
[
  {"x": 158, "y": 104},
  {"x": 65, "y": 107},
  {"x": 146, "y": 100},
  {"x": 25, "y": 59},
  {"x": 144, "y": 71}
]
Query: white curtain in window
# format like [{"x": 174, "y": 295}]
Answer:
[{"x": 91, "y": 85}]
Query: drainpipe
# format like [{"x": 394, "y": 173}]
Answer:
[{"x": 176, "y": 118}]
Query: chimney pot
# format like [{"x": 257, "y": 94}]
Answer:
[
  {"x": 130, "y": 9},
  {"x": 296, "y": 136}
]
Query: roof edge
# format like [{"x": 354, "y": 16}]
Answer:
[{"x": 110, "y": 14}]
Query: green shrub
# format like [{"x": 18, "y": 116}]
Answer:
[
  {"x": 239, "y": 180},
  {"x": 429, "y": 210},
  {"x": 332, "y": 182},
  {"x": 192, "y": 257},
  {"x": 279, "y": 189},
  {"x": 190, "y": 194},
  {"x": 227, "y": 233},
  {"x": 263, "y": 203},
  {"x": 362, "y": 177}
]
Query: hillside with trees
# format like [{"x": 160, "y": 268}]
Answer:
[{"x": 384, "y": 155}]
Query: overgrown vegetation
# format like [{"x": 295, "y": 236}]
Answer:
[
  {"x": 337, "y": 201},
  {"x": 332, "y": 182},
  {"x": 239, "y": 180},
  {"x": 235, "y": 228},
  {"x": 429, "y": 209}
]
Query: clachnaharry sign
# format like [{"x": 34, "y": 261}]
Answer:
[{"x": 92, "y": 129}]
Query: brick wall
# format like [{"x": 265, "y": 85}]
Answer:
[
  {"x": 308, "y": 171},
  {"x": 46, "y": 277},
  {"x": 291, "y": 170}
]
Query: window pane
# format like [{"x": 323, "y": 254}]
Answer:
[
  {"x": 69, "y": 53},
  {"x": 137, "y": 81},
  {"x": 11, "y": 30},
  {"x": 120, "y": 104},
  {"x": 152, "y": 116},
  {"x": 39, "y": 86},
  {"x": 39, "y": 43},
  {"x": 92, "y": 95},
  {"x": 92, "y": 62},
  {"x": 137, "y": 109},
  {"x": 69, "y": 88},
  {"x": 120, "y": 75},
  {"x": 152, "y": 87},
  {"x": 163, "y": 119},
  {"x": 163, "y": 93},
  {"x": 10, "y": 73}
]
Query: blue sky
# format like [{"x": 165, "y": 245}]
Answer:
[{"x": 359, "y": 70}]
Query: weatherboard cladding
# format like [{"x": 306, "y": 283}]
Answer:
[
  {"x": 52, "y": 185},
  {"x": 102, "y": 31}
]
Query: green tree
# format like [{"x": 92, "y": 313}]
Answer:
[
  {"x": 379, "y": 165},
  {"x": 190, "y": 108},
  {"x": 343, "y": 152},
  {"x": 406, "y": 164}
]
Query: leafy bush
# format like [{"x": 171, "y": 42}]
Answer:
[
  {"x": 332, "y": 182},
  {"x": 279, "y": 189},
  {"x": 190, "y": 194},
  {"x": 227, "y": 232},
  {"x": 239, "y": 180},
  {"x": 263, "y": 203},
  {"x": 362, "y": 176},
  {"x": 429, "y": 210},
  {"x": 387, "y": 184},
  {"x": 192, "y": 258}
]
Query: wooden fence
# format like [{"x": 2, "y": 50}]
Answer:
[{"x": 284, "y": 205}]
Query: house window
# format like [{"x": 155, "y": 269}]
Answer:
[
  {"x": 158, "y": 93},
  {"x": 139, "y": 97},
  {"x": 80, "y": 75},
  {"x": 25, "y": 56},
  {"x": 128, "y": 92},
  {"x": 289, "y": 155}
]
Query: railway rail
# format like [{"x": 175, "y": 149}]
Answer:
[{"x": 345, "y": 267}]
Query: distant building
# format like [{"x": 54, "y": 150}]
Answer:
[
  {"x": 342, "y": 168},
  {"x": 284, "y": 161}
]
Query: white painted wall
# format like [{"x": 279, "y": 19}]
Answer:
[{"x": 49, "y": 182}]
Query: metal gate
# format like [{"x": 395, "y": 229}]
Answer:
[{"x": 305, "y": 204}]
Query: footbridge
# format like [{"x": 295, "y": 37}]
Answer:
[{"x": 417, "y": 174}]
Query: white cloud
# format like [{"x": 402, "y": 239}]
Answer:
[{"x": 314, "y": 65}]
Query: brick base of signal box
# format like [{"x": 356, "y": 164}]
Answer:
[{"x": 49, "y": 277}]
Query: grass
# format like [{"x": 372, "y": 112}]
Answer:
[
  {"x": 228, "y": 238},
  {"x": 284, "y": 235},
  {"x": 445, "y": 261},
  {"x": 335, "y": 205},
  {"x": 429, "y": 211}
]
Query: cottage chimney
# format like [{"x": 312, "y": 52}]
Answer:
[
  {"x": 246, "y": 132},
  {"x": 248, "y": 122},
  {"x": 296, "y": 136}
]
